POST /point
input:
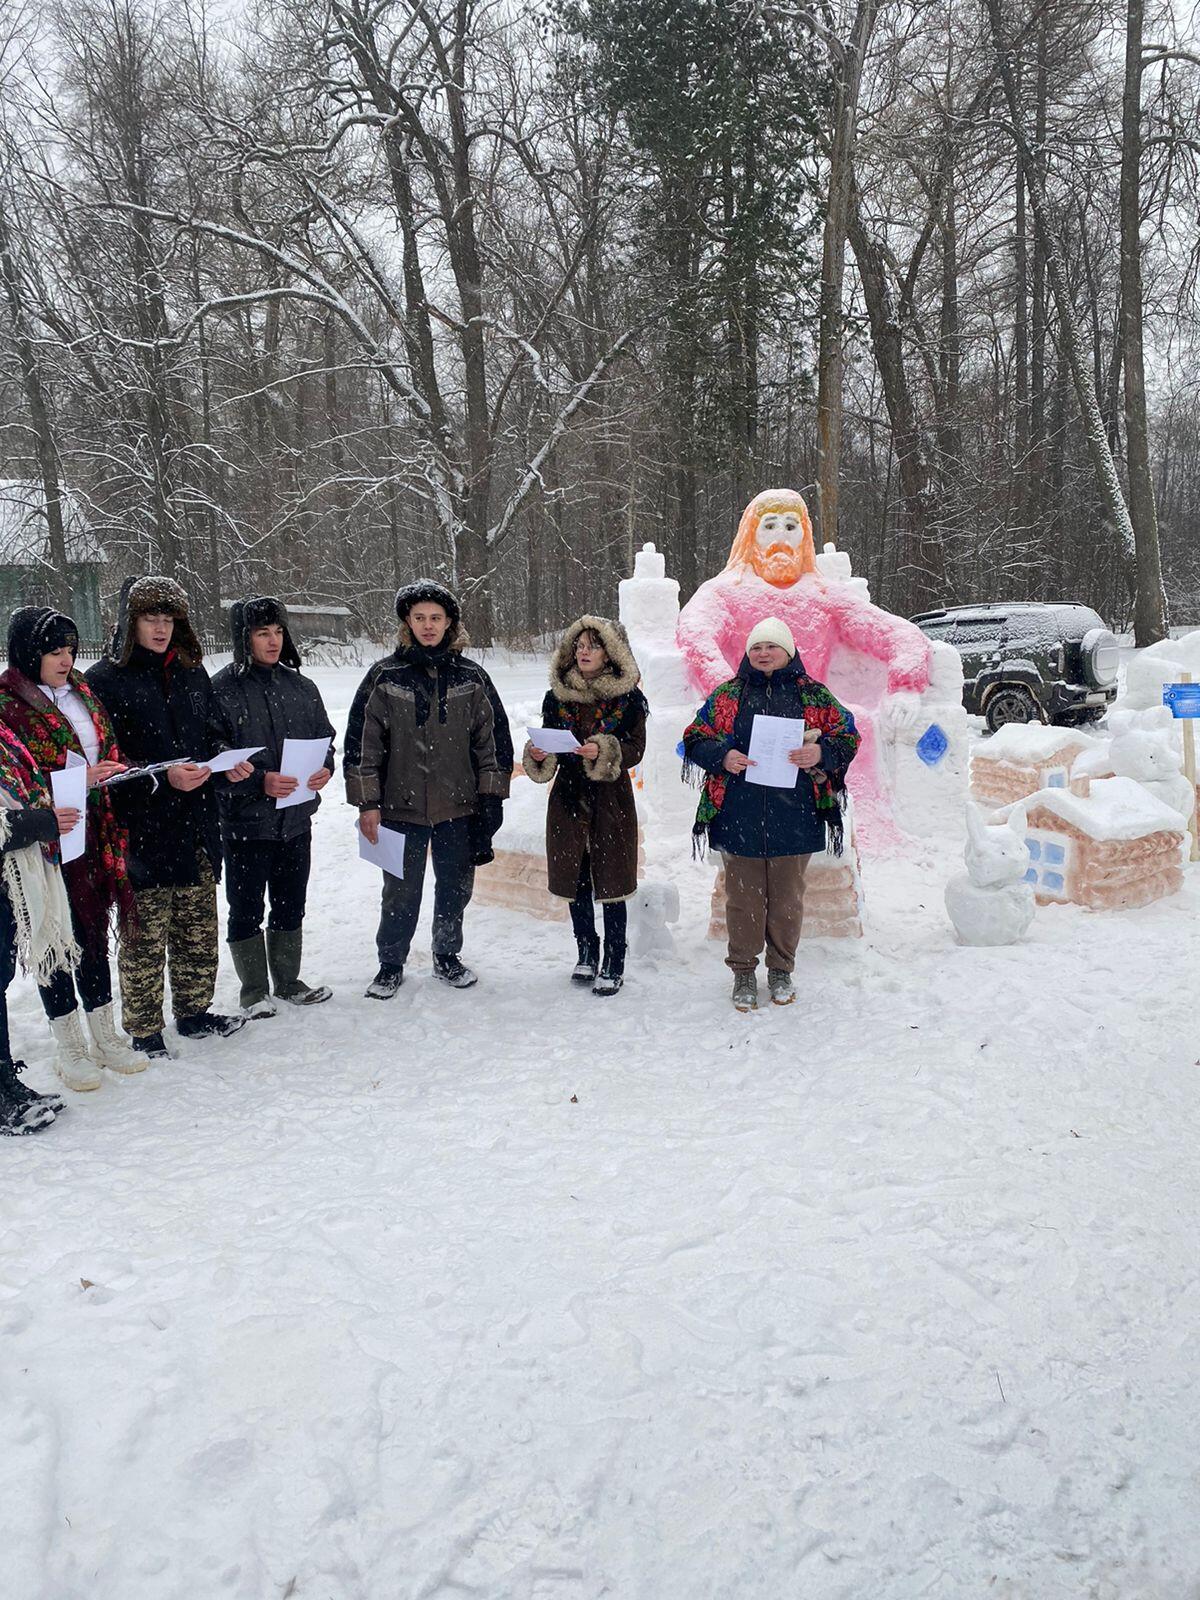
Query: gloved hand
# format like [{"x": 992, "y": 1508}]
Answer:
[{"x": 485, "y": 824}]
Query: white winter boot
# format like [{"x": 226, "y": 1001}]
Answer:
[
  {"x": 71, "y": 1061},
  {"x": 111, "y": 1049}
]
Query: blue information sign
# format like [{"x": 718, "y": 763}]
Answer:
[{"x": 1183, "y": 699}]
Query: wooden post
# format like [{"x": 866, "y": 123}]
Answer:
[{"x": 1189, "y": 768}]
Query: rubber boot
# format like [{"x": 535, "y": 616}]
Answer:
[
  {"x": 72, "y": 1059},
  {"x": 109, "y": 1048},
  {"x": 285, "y": 948},
  {"x": 249, "y": 958}
]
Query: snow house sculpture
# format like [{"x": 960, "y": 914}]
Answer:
[
  {"x": 1112, "y": 848},
  {"x": 1023, "y": 757}
]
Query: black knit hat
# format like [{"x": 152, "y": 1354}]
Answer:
[
  {"x": 434, "y": 594},
  {"x": 261, "y": 611},
  {"x": 33, "y": 631}
]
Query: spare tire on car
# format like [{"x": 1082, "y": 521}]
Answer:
[{"x": 1100, "y": 657}]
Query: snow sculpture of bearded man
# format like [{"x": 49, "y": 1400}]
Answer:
[{"x": 905, "y": 691}]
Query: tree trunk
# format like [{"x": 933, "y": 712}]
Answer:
[
  {"x": 1149, "y": 611},
  {"x": 1107, "y": 480},
  {"x": 833, "y": 266},
  {"x": 924, "y": 573}
]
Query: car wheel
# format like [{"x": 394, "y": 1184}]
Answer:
[{"x": 1012, "y": 703}]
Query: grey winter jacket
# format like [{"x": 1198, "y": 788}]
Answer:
[
  {"x": 256, "y": 705},
  {"x": 428, "y": 747}
]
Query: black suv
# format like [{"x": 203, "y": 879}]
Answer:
[{"x": 1025, "y": 662}]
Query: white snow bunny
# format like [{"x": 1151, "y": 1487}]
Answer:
[{"x": 990, "y": 903}]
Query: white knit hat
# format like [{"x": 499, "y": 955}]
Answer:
[{"x": 772, "y": 631}]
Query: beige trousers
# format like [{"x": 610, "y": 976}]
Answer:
[{"x": 764, "y": 904}]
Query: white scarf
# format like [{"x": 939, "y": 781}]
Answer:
[{"x": 45, "y": 942}]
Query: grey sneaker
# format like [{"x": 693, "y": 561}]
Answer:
[
  {"x": 745, "y": 992},
  {"x": 783, "y": 990}
]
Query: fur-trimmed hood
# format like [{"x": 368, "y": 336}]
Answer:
[
  {"x": 141, "y": 596},
  {"x": 620, "y": 676},
  {"x": 261, "y": 611}
]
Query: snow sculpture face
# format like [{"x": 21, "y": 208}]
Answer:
[{"x": 775, "y": 538}]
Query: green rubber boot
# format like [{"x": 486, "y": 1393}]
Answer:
[
  {"x": 250, "y": 964},
  {"x": 284, "y": 950}
]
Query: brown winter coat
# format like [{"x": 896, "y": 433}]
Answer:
[
  {"x": 591, "y": 808},
  {"x": 428, "y": 748}
]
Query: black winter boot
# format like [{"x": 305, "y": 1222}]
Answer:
[
  {"x": 589, "y": 960},
  {"x": 612, "y": 970},
  {"x": 207, "y": 1025},
  {"x": 451, "y": 970},
  {"x": 20, "y": 1116},
  {"x": 12, "y": 1087}
]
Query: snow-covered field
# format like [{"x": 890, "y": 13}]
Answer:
[{"x": 518, "y": 1294}]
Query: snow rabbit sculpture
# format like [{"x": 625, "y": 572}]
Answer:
[{"x": 991, "y": 903}]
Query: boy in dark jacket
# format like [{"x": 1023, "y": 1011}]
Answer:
[
  {"x": 429, "y": 755},
  {"x": 262, "y": 698},
  {"x": 160, "y": 700}
]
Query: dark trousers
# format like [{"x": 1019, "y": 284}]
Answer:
[
  {"x": 91, "y": 978},
  {"x": 583, "y": 915},
  {"x": 449, "y": 843},
  {"x": 8, "y": 969},
  {"x": 258, "y": 869}
]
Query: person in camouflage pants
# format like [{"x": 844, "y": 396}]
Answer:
[
  {"x": 153, "y": 684},
  {"x": 176, "y": 925}
]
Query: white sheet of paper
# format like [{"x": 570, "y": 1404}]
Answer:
[
  {"x": 554, "y": 741},
  {"x": 388, "y": 854},
  {"x": 69, "y": 788},
  {"x": 301, "y": 759},
  {"x": 229, "y": 758},
  {"x": 770, "y": 740},
  {"x": 74, "y": 759}
]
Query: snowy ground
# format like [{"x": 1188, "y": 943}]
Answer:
[{"x": 521, "y": 1295}]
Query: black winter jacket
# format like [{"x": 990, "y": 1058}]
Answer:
[
  {"x": 257, "y": 705},
  {"x": 162, "y": 710}
]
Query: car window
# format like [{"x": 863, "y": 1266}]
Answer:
[
  {"x": 937, "y": 630},
  {"x": 984, "y": 632}
]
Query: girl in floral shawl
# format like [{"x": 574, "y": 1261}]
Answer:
[
  {"x": 35, "y": 920},
  {"x": 47, "y": 703}
]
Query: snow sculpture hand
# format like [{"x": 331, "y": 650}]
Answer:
[
  {"x": 899, "y": 714},
  {"x": 994, "y": 856}
]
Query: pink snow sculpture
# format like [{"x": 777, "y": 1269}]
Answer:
[{"x": 877, "y": 663}]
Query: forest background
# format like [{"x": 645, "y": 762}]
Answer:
[{"x": 315, "y": 298}]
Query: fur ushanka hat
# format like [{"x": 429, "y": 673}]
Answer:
[
  {"x": 263, "y": 611},
  {"x": 142, "y": 597},
  {"x": 434, "y": 594}
]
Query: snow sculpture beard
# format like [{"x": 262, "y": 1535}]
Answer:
[
  {"x": 780, "y": 565},
  {"x": 781, "y": 553}
]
